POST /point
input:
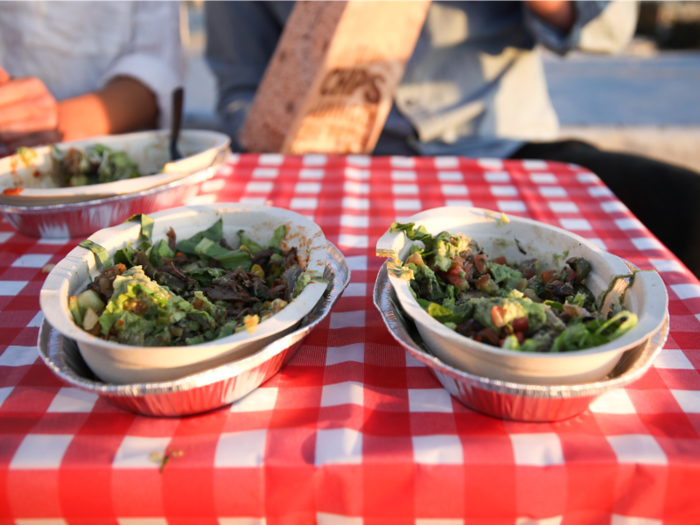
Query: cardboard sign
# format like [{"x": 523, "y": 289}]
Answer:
[{"x": 330, "y": 84}]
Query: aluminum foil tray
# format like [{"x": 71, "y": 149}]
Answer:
[
  {"x": 206, "y": 390},
  {"x": 505, "y": 400},
  {"x": 84, "y": 218}
]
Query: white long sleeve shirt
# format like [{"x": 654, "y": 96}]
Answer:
[{"x": 77, "y": 47}]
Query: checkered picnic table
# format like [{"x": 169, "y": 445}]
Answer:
[{"x": 352, "y": 431}]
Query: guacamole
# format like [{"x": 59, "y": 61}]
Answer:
[{"x": 174, "y": 293}]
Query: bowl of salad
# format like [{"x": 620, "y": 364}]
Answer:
[
  {"x": 104, "y": 167},
  {"x": 163, "y": 296},
  {"x": 518, "y": 300}
]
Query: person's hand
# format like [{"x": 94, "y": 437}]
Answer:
[{"x": 28, "y": 113}]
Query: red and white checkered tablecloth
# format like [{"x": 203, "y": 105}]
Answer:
[{"x": 352, "y": 431}]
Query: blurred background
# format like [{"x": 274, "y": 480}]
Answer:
[{"x": 645, "y": 100}]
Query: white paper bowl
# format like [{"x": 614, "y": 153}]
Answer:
[
  {"x": 118, "y": 363},
  {"x": 149, "y": 149},
  {"x": 647, "y": 297}
]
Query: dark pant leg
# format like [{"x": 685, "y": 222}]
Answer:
[{"x": 664, "y": 197}]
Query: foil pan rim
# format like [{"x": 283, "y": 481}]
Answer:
[
  {"x": 383, "y": 302},
  {"x": 48, "y": 338},
  {"x": 193, "y": 178}
]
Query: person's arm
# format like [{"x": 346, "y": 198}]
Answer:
[{"x": 123, "y": 105}]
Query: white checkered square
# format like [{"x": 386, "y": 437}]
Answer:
[
  {"x": 353, "y": 241},
  {"x": 199, "y": 200},
  {"x": 673, "y": 359},
  {"x": 403, "y": 175},
  {"x": 12, "y": 287},
  {"x": 637, "y": 448},
  {"x": 357, "y": 174},
  {"x": 4, "y": 236},
  {"x": 407, "y": 204},
  {"x": 354, "y": 221},
  {"x": 587, "y": 178},
  {"x": 613, "y": 402},
  {"x": 534, "y": 164},
  {"x": 362, "y": 161},
  {"x": 543, "y": 178},
  {"x": 563, "y": 207},
  {"x": 511, "y": 206},
  {"x": 353, "y": 203},
  {"x": 325, "y": 518},
  {"x": 311, "y": 174},
  {"x": 355, "y": 290},
  {"x": 307, "y": 187},
  {"x": 439, "y": 449},
  {"x": 347, "y": 393},
  {"x": 314, "y": 159},
  {"x": 5, "y": 393},
  {"x": 54, "y": 241},
  {"x": 270, "y": 159},
  {"x": 412, "y": 361},
  {"x": 338, "y": 446},
  {"x": 647, "y": 243},
  {"x": 598, "y": 242},
  {"x": 404, "y": 189},
  {"x": 213, "y": 185},
  {"x": 32, "y": 260},
  {"x": 136, "y": 451},
  {"x": 496, "y": 176},
  {"x": 343, "y": 354},
  {"x": 258, "y": 187},
  {"x": 490, "y": 164},
  {"x": 402, "y": 162},
  {"x": 613, "y": 206},
  {"x": 688, "y": 400},
  {"x": 503, "y": 191},
  {"x": 617, "y": 519},
  {"x": 538, "y": 450},
  {"x": 265, "y": 173},
  {"x": 72, "y": 400},
  {"x": 304, "y": 203},
  {"x": 360, "y": 188},
  {"x": 18, "y": 356},
  {"x": 258, "y": 400},
  {"x": 629, "y": 224},
  {"x": 454, "y": 189},
  {"x": 553, "y": 191},
  {"x": 686, "y": 291},
  {"x": 600, "y": 191},
  {"x": 41, "y": 451},
  {"x": 430, "y": 400},
  {"x": 446, "y": 162},
  {"x": 667, "y": 265},
  {"x": 357, "y": 262},
  {"x": 259, "y": 201},
  {"x": 459, "y": 202},
  {"x": 554, "y": 520},
  {"x": 355, "y": 319},
  {"x": 241, "y": 449},
  {"x": 575, "y": 224},
  {"x": 450, "y": 176}
]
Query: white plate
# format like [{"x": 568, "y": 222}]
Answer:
[
  {"x": 647, "y": 297},
  {"x": 118, "y": 363},
  {"x": 150, "y": 150}
]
